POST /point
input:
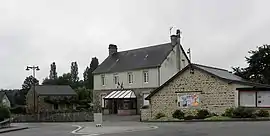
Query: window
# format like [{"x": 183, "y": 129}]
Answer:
[
  {"x": 102, "y": 79},
  {"x": 263, "y": 99},
  {"x": 248, "y": 98},
  {"x": 254, "y": 99},
  {"x": 130, "y": 78},
  {"x": 145, "y": 102},
  {"x": 115, "y": 79},
  {"x": 145, "y": 76}
]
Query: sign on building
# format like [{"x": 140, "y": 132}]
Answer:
[{"x": 188, "y": 100}]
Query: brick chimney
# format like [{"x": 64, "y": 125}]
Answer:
[{"x": 112, "y": 49}]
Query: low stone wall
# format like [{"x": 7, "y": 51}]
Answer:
[
  {"x": 5, "y": 123},
  {"x": 145, "y": 114},
  {"x": 55, "y": 117}
]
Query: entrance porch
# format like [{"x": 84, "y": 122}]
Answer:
[{"x": 122, "y": 102}]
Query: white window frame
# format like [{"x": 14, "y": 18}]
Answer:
[
  {"x": 145, "y": 76},
  {"x": 103, "y": 80},
  {"x": 261, "y": 99},
  {"x": 115, "y": 79},
  {"x": 130, "y": 77}
]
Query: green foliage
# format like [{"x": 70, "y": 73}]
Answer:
[
  {"x": 84, "y": 94},
  {"x": 53, "y": 73},
  {"x": 241, "y": 112},
  {"x": 160, "y": 115},
  {"x": 262, "y": 113},
  {"x": 189, "y": 117},
  {"x": 258, "y": 66},
  {"x": 88, "y": 73},
  {"x": 4, "y": 113},
  {"x": 228, "y": 112},
  {"x": 29, "y": 82},
  {"x": 18, "y": 110},
  {"x": 202, "y": 114},
  {"x": 74, "y": 72},
  {"x": 218, "y": 118},
  {"x": 178, "y": 114}
]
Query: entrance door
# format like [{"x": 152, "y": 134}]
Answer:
[{"x": 114, "y": 106}]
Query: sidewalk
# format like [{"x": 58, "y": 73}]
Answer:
[{"x": 12, "y": 128}]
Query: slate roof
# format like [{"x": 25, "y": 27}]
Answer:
[
  {"x": 217, "y": 72},
  {"x": 147, "y": 57},
  {"x": 56, "y": 90}
]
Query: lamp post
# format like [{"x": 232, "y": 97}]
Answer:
[{"x": 34, "y": 68}]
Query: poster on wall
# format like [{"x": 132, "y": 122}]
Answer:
[{"x": 188, "y": 100}]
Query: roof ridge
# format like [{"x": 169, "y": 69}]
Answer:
[
  {"x": 211, "y": 67},
  {"x": 149, "y": 46}
]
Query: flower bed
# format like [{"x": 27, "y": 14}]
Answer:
[{"x": 231, "y": 114}]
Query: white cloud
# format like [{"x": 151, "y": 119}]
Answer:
[{"x": 39, "y": 32}]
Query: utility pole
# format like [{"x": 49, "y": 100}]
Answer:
[{"x": 34, "y": 68}]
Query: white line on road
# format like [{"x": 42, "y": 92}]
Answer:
[{"x": 76, "y": 131}]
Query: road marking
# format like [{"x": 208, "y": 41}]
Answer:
[{"x": 78, "y": 129}]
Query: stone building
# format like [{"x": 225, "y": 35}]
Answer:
[
  {"x": 125, "y": 78},
  {"x": 49, "y": 98},
  {"x": 4, "y": 99},
  {"x": 197, "y": 87}
]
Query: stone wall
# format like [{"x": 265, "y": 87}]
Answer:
[
  {"x": 214, "y": 94},
  {"x": 145, "y": 114},
  {"x": 55, "y": 117}
]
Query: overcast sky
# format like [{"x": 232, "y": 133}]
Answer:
[{"x": 39, "y": 32}]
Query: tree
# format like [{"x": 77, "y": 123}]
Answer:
[
  {"x": 74, "y": 72},
  {"x": 258, "y": 69},
  {"x": 88, "y": 73},
  {"x": 29, "y": 82},
  {"x": 53, "y": 73}
]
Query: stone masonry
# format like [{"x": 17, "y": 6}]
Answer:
[{"x": 215, "y": 94}]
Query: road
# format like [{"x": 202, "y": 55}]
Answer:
[{"x": 164, "y": 129}]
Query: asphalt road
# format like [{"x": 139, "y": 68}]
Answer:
[
  {"x": 165, "y": 129},
  {"x": 205, "y": 129},
  {"x": 44, "y": 129}
]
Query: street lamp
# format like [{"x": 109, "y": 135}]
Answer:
[{"x": 34, "y": 68}]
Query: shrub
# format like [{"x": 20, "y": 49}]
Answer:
[
  {"x": 189, "y": 117},
  {"x": 228, "y": 112},
  {"x": 202, "y": 114},
  {"x": 18, "y": 110},
  {"x": 178, "y": 114},
  {"x": 241, "y": 112},
  {"x": 160, "y": 115},
  {"x": 262, "y": 113},
  {"x": 4, "y": 113}
]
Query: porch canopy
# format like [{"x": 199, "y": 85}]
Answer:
[{"x": 121, "y": 94}]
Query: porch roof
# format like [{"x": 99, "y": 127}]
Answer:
[{"x": 121, "y": 94}]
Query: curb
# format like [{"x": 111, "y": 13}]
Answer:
[
  {"x": 231, "y": 120},
  {"x": 15, "y": 129}
]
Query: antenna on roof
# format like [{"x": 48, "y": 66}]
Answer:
[
  {"x": 171, "y": 30},
  {"x": 189, "y": 53}
]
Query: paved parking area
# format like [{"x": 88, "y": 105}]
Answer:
[{"x": 205, "y": 129}]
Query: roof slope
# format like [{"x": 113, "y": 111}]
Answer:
[
  {"x": 151, "y": 56},
  {"x": 217, "y": 72},
  {"x": 54, "y": 90}
]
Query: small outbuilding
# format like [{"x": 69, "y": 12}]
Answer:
[{"x": 204, "y": 87}]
